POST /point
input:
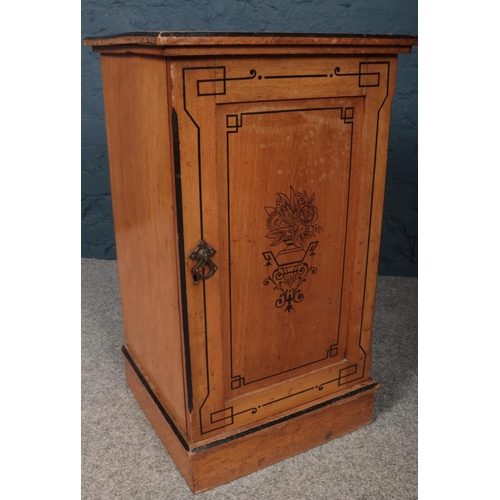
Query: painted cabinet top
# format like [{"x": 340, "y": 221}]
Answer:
[{"x": 193, "y": 39}]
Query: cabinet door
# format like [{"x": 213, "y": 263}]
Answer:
[{"x": 286, "y": 159}]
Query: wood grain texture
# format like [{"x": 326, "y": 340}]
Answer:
[
  {"x": 201, "y": 221},
  {"x": 252, "y": 359},
  {"x": 251, "y": 50},
  {"x": 265, "y": 447},
  {"x": 135, "y": 99},
  {"x": 221, "y": 38},
  {"x": 176, "y": 44},
  {"x": 284, "y": 151},
  {"x": 178, "y": 453},
  {"x": 377, "y": 209},
  {"x": 277, "y": 160},
  {"x": 230, "y": 457}
]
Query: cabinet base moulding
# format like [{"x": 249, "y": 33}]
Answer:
[{"x": 245, "y": 451}]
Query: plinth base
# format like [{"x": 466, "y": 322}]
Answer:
[{"x": 242, "y": 452}]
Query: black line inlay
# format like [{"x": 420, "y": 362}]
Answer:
[
  {"x": 184, "y": 71},
  {"x": 155, "y": 399},
  {"x": 244, "y": 433},
  {"x": 234, "y": 123},
  {"x": 371, "y": 214},
  {"x": 286, "y": 397},
  {"x": 294, "y": 76},
  {"x": 182, "y": 256},
  {"x": 284, "y": 419},
  {"x": 365, "y": 79}
]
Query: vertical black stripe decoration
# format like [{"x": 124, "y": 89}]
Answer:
[{"x": 182, "y": 256}]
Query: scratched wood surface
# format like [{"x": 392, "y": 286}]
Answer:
[
  {"x": 193, "y": 44},
  {"x": 242, "y": 38},
  {"x": 287, "y": 171}
]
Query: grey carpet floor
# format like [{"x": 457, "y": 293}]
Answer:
[{"x": 122, "y": 458}]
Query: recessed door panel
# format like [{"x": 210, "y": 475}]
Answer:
[{"x": 288, "y": 172}]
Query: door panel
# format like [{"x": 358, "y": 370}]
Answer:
[
  {"x": 277, "y": 157},
  {"x": 288, "y": 171}
]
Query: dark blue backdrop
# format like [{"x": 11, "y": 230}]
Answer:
[{"x": 104, "y": 17}]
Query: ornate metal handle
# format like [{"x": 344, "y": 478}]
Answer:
[{"x": 202, "y": 254}]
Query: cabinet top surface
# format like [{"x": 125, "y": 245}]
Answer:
[{"x": 194, "y": 38}]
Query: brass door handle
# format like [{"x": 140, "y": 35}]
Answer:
[{"x": 202, "y": 254}]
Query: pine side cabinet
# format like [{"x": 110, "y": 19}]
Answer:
[{"x": 247, "y": 176}]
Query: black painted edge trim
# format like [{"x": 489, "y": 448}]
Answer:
[
  {"x": 166, "y": 34},
  {"x": 182, "y": 256},
  {"x": 155, "y": 399}
]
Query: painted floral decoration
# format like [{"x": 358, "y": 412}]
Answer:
[{"x": 293, "y": 219}]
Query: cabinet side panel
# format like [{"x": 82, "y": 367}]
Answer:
[{"x": 137, "y": 125}]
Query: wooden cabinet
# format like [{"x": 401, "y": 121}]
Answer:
[{"x": 247, "y": 177}]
